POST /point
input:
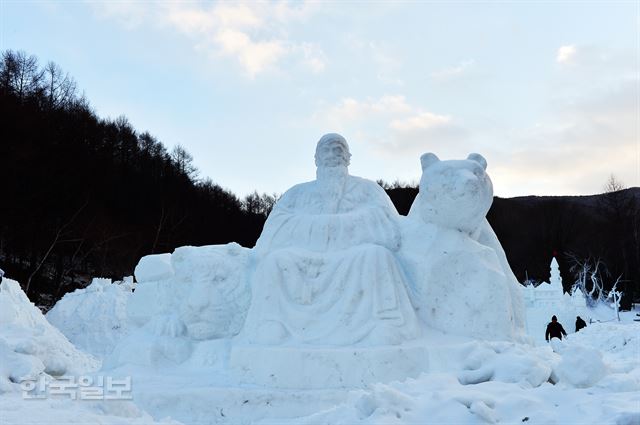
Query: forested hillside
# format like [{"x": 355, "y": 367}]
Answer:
[
  {"x": 584, "y": 232},
  {"x": 84, "y": 196}
]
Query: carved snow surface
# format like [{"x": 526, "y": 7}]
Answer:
[
  {"x": 338, "y": 281},
  {"x": 203, "y": 296},
  {"x": 462, "y": 281}
]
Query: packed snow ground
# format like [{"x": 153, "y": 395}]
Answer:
[{"x": 591, "y": 377}]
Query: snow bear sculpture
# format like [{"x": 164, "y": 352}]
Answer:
[
  {"x": 453, "y": 194},
  {"x": 462, "y": 282}
]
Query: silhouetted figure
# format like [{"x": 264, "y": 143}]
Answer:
[
  {"x": 554, "y": 329},
  {"x": 580, "y": 323}
]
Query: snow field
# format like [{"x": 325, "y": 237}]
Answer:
[{"x": 596, "y": 373}]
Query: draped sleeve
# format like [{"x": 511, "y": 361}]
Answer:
[{"x": 365, "y": 215}]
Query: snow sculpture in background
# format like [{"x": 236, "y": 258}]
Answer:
[
  {"x": 555, "y": 279},
  {"x": 462, "y": 281},
  {"x": 326, "y": 269}
]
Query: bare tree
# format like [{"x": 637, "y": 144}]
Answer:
[
  {"x": 60, "y": 88},
  {"x": 27, "y": 78},
  {"x": 8, "y": 70},
  {"x": 613, "y": 184},
  {"x": 259, "y": 204},
  {"x": 161, "y": 224},
  {"x": 621, "y": 208},
  {"x": 590, "y": 275},
  {"x": 184, "y": 161},
  {"x": 60, "y": 231}
]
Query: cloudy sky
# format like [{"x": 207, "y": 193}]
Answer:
[{"x": 548, "y": 92}]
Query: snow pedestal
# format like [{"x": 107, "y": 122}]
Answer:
[{"x": 318, "y": 367}]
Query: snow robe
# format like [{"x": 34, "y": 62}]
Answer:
[{"x": 326, "y": 272}]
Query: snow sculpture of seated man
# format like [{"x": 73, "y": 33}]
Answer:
[{"x": 326, "y": 273}]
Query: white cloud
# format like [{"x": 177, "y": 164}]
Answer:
[
  {"x": 454, "y": 71},
  {"x": 129, "y": 15},
  {"x": 230, "y": 15},
  {"x": 187, "y": 19},
  {"x": 566, "y": 54},
  {"x": 254, "y": 56},
  {"x": 313, "y": 57},
  {"x": 252, "y": 33},
  {"x": 392, "y": 125},
  {"x": 349, "y": 110},
  {"x": 575, "y": 148},
  {"x": 421, "y": 121}
]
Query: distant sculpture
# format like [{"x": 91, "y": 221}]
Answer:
[{"x": 326, "y": 271}]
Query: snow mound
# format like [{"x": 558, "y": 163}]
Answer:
[
  {"x": 619, "y": 344},
  {"x": 14, "y": 367},
  {"x": 581, "y": 367},
  {"x": 503, "y": 362},
  {"x": 622, "y": 340},
  {"x": 94, "y": 318},
  {"x": 30, "y": 345},
  {"x": 154, "y": 267},
  {"x": 16, "y": 410}
]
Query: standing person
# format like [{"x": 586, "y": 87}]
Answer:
[
  {"x": 1, "y": 275},
  {"x": 580, "y": 323},
  {"x": 554, "y": 330}
]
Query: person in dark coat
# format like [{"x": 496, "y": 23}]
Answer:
[
  {"x": 554, "y": 330},
  {"x": 580, "y": 323}
]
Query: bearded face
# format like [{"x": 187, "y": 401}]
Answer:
[
  {"x": 332, "y": 151},
  {"x": 332, "y": 159}
]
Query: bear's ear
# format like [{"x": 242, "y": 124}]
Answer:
[
  {"x": 427, "y": 159},
  {"x": 479, "y": 159}
]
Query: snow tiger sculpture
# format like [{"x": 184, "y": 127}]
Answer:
[
  {"x": 194, "y": 295},
  {"x": 462, "y": 282}
]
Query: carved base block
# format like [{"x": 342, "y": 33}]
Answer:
[{"x": 315, "y": 368}]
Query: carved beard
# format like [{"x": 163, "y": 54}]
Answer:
[{"x": 331, "y": 185}]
